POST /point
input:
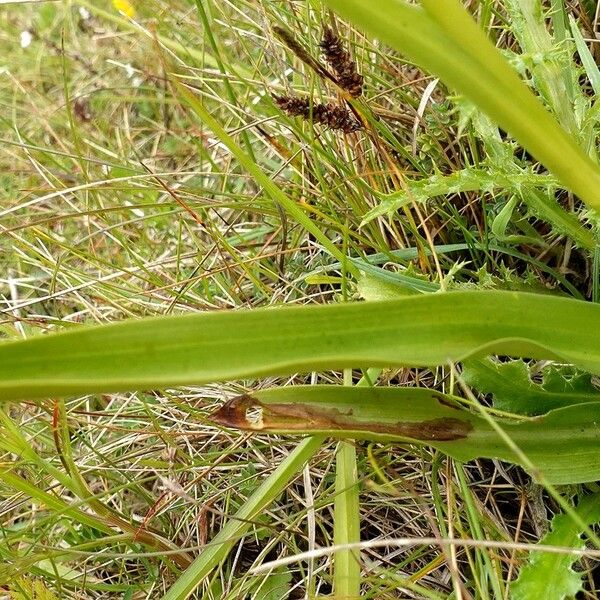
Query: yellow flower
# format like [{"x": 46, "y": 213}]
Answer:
[{"x": 125, "y": 7}]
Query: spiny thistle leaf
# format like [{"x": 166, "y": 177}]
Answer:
[{"x": 514, "y": 391}]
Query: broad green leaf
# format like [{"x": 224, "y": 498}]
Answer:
[
  {"x": 371, "y": 287},
  {"x": 563, "y": 445},
  {"x": 514, "y": 391},
  {"x": 426, "y": 330},
  {"x": 442, "y": 38},
  {"x": 550, "y": 575}
]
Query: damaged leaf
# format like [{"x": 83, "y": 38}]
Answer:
[
  {"x": 247, "y": 412},
  {"x": 564, "y": 444}
]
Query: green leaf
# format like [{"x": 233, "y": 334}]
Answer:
[
  {"x": 513, "y": 390},
  {"x": 550, "y": 575},
  {"x": 587, "y": 59},
  {"x": 404, "y": 284},
  {"x": 275, "y": 587},
  {"x": 425, "y": 330},
  {"x": 373, "y": 288},
  {"x": 563, "y": 445},
  {"x": 503, "y": 218}
]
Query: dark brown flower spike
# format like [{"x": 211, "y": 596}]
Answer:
[
  {"x": 340, "y": 61},
  {"x": 300, "y": 51},
  {"x": 330, "y": 115}
]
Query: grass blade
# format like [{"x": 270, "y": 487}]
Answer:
[{"x": 270, "y": 187}]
